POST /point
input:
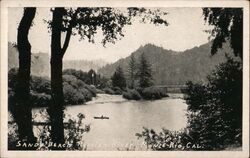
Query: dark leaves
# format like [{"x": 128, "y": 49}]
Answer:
[
  {"x": 86, "y": 22},
  {"x": 228, "y": 24}
]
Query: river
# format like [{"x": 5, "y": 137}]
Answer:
[{"x": 126, "y": 118}]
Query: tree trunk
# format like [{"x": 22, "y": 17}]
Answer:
[
  {"x": 56, "y": 62},
  {"x": 21, "y": 109},
  {"x": 56, "y": 107}
]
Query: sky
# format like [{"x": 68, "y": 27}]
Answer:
[{"x": 185, "y": 31}]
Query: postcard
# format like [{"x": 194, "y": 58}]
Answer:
[{"x": 124, "y": 78}]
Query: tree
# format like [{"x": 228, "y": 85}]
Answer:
[
  {"x": 228, "y": 25},
  {"x": 118, "y": 78},
  {"x": 145, "y": 72},
  {"x": 132, "y": 71},
  {"x": 215, "y": 108},
  {"x": 92, "y": 76},
  {"x": 21, "y": 109},
  {"x": 56, "y": 108},
  {"x": 85, "y": 22}
]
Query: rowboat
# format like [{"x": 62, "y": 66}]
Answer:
[{"x": 101, "y": 117}]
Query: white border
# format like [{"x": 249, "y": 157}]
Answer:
[{"x": 121, "y": 3}]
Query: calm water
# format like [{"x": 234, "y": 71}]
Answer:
[{"x": 127, "y": 118}]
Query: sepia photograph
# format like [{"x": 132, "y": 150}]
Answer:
[{"x": 114, "y": 78}]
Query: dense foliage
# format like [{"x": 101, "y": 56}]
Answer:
[
  {"x": 85, "y": 21},
  {"x": 118, "y": 78},
  {"x": 132, "y": 70},
  {"x": 76, "y": 91},
  {"x": 90, "y": 77},
  {"x": 215, "y": 109},
  {"x": 144, "y": 73},
  {"x": 149, "y": 93},
  {"x": 153, "y": 93},
  {"x": 167, "y": 140},
  {"x": 228, "y": 25},
  {"x": 132, "y": 94}
]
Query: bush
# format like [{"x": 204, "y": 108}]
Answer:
[
  {"x": 108, "y": 91},
  {"x": 99, "y": 91},
  {"x": 87, "y": 95},
  {"x": 153, "y": 93},
  {"x": 132, "y": 94},
  {"x": 40, "y": 99},
  {"x": 168, "y": 140},
  {"x": 76, "y": 91},
  {"x": 117, "y": 90},
  {"x": 40, "y": 84},
  {"x": 193, "y": 95},
  {"x": 70, "y": 79},
  {"x": 91, "y": 89},
  {"x": 78, "y": 74},
  {"x": 12, "y": 77},
  {"x": 72, "y": 95}
]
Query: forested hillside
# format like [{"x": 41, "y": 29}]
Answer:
[{"x": 171, "y": 67}]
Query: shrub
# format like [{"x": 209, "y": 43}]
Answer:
[
  {"x": 103, "y": 82},
  {"x": 153, "y": 93},
  {"x": 108, "y": 91},
  {"x": 132, "y": 94},
  {"x": 70, "y": 79},
  {"x": 71, "y": 95},
  {"x": 99, "y": 91},
  {"x": 12, "y": 77},
  {"x": 91, "y": 89},
  {"x": 40, "y": 99},
  {"x": 76, "y": 91},
  {"x": 40, "y": 84},
  {"x": 117, "y": 90},
  {"x": 168, "y": 140},
  {"x": 193, "y": 95},
  {"x": 86, "y": 94}
]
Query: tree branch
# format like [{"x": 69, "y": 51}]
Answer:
[
  {"x": 69, "y": 32},
  {"x": 67, "y": 39}
]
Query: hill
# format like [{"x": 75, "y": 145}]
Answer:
[
  {"x": 171, "y": 67},
  {"x": 83, "y": 65},
  {"x": 40, "y": 62}
]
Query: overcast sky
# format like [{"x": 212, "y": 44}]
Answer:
[{"x": 186, "y": 30}]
